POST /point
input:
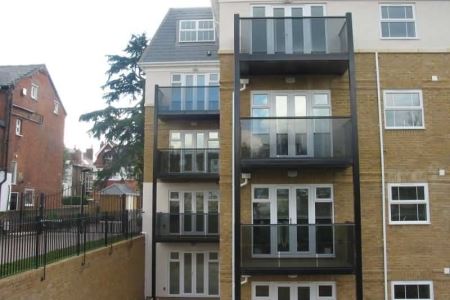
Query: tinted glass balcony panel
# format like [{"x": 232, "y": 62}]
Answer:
[
  {"x": 188, "y": 100},
  {"x": 182, "y": 227},
  {"x": 303, "y": 140},
  {"x": 188, "y": 163},
  {"x": 296, "y": 248},
  {"x": 317, "y": 44}
]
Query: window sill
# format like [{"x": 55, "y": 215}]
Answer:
[
  {"x": 21, "y": 135},
  {"x": 405, "y": 128},
  {"x": 409, "y": 223},
  {"x": 399, "y": 38}
]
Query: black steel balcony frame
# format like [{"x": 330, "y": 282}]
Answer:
[
  {"x": 306, "y": 64},
  {"x": 173, "y": 228},
  {"x": 331, "y": 249},
  {"x": 340, "y": 154},
  {"x": 166, "y": 110},
  {"x": 172, "y": 164},
  {"x": 321, "y": 61}
]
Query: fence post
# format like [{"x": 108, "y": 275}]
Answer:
[
  {"x": 39, "y": 227},
  {"x": 78, "y": 233},
  {"x": 124, "y": 216},
  {"x": 106, "y": 228}
]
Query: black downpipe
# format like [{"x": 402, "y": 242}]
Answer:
[
  {"x": 8, "y": 109},
  {"x": 356, "y": 171},
  {"x": 237, "y": 161},
  {"x": 154, "y": 191}
]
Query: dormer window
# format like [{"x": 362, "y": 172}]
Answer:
[{"x": 196, "y": 31}]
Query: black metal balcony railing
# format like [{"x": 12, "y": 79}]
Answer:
[
  {"x": 188, "y": 162},
  {"x": 320, "y": 140},
  {"x": 293, "y": 248},
  {"x": 187, "y": 226},
  {"x": 188, "y": 100},
  {"x": 294, "y": 35}
]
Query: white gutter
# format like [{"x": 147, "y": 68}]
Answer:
[
  {"x": 232, "y": 200},
  {"x": 383, "y": 180}
]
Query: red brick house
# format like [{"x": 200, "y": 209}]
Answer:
[{"x": 31, "y": 135}]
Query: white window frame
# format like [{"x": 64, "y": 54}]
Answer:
[
  {"x": 386, "y": 108},
  {"x": 398, "y": 20},
  {"x": 24, "y": 197},
  {"x": 196, "y": 30},
  {"x": 55, "y": 107},
  {"x": 430, "y": 283},
  {"x": 273, "y": 285},
  {"x": 19, "y": 123},
  {"x": 34, "y": 93},
  {"x": 207, "y": 138},
  {"x": 426, "y": 201},
  {"x": 13, "y": 172},
  {"x": 180, "y": 260}
]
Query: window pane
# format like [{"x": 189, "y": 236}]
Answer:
[
  {"x": 320, "y": 99},
  {"x": 304, "y": 293},
  {"x": 188, "y": 273},
  {"x": 384, "y": 29},
  {"x": 408, "y": 193},
  {"x": 324, "y": 212},
  {"x": 397, "y": 12},
  {"x": 260, "y": 100},
  {"x": 174, "y": 284},
  {"x": 260, "y": 112},
  {"x": 424, "y": 291},
  {"x": 200, "y": 276},
  {"x": 422, "y": 212},
  {"x": 395, "y": 212},
  {"x": 325, "y": 291},
  {"x": 262, "y": 291},
  {"x": 411, "y": 28},
  {"x": 284, "y": 293},
  {"x": 261, "y": 193},
  {"x": 399, "y": 292},
  {"x": 213, "y": 278},
  {"x": 397, "y": 29},
  {"x": 409, "y": 12},
  {"x": 384, "y": 12},
  {"x": 323, "y": 193},
  {"x": 408, "y": 212},
  {"x": 412, "y": 292}
]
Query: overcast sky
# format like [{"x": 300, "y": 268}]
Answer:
[{"x": 72, "y": 38}]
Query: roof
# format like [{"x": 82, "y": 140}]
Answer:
[
  {"x": 118, "y": 189},
  {"x": 10, "y": 74},
  {"x": 164, "y": 46}
]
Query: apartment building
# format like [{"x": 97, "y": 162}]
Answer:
[
  {"x": 32, "y": 120},
  {"x": 332, "y": 171}
]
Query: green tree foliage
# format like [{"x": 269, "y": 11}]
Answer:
[{"x": 122, "y": 125}]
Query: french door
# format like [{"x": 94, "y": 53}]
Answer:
[
  {"x": 293, "y": 290},
  {"x": 286, "y": 31},
  {"x": 292, "y": 134},
  {"x": 293, "y": 220},
  {"x": 193, "y": 93},
  {"x": 194, "y": 213}
]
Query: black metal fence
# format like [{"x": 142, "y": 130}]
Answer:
[{"x": 33, "y": 237}]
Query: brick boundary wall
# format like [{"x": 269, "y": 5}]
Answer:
[{"x": 108, "y": 273}]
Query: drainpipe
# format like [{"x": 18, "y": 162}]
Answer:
[
  {"x": 383, "y": 180},
  {"x": 8, "y": 109},
  {"x": 233, "y": 208}
]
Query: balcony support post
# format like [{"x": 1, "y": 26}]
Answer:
[
  {"x": 154, "y": 187},
  {"x": 237, "y": 160},
  {"x": 355, "y": 169}
]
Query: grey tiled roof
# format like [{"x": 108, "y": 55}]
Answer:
[
  {"x": 10, "y": 74},
  {"x": 164, "y": 46},
  {"x": 118, "y": 189}
]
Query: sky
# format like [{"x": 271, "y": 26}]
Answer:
[{"x": 73, "y": 38}]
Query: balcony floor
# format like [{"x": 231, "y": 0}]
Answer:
[{"x": 293, "y": 163}]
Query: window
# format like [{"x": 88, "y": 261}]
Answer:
[
  {"x": 55, "y": 107},
  {"x": 197, "y": 31},
  {"x": 293, "y": 290},
  {"x": 194, "y": 273},
  {"x": 408, "y": 203},
  {"x": 14, "y": 172},
  {"x": 19, "y": 127},
  {"x": 28, "y": 197},
  {"x": 421, "y": 290},
  {"x": 403, "y": 109},
  {"x": 34, "y": 91},
  {"x": 398, "y": 21}
]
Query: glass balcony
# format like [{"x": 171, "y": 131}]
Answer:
[
  {"x": 188, "y": 163},
  {"x": 296, "y": 141},
  {"x": 188, "y": 101},
  {"x": 187, "y": 227},
  {"x": 297, "y": 249},
  {"x": 316, "y": 44}
]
